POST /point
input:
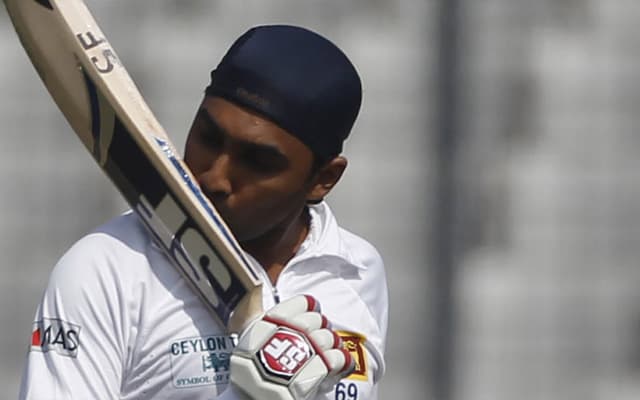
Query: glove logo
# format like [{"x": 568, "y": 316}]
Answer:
[{"x": 285, "y": 352}]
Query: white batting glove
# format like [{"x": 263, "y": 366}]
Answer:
[{"x": 289, "y": 354}]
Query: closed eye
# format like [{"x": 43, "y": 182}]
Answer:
[
  {"x": 263, "y": 158},
  {"x": 209, "y": 132}
]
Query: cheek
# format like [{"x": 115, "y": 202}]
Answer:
[
  {"x": 268, "y": 200},
  {"x": 288, "y": 185},
  {"x": 268, "y": 194}
]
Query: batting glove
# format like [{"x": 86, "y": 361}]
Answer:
[{"x": 289, "y": 354}]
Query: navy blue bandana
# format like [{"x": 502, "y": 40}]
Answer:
[{"x": 296, "y": 78}]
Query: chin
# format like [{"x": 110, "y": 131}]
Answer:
[
  {"x": 239, "y": 232},
  {"x": 246, "y": 234},
  {"x": 244, "y": 237}
]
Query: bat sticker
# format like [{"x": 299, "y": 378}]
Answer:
[{"x": 109, "y": 59}]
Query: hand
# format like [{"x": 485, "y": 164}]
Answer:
[{"x": 289, "y": 354}]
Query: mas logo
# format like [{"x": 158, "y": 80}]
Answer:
[
  {"x": 51, "y": 334},
  {"x": 200, "y": 361},
  {"x": 354, "y": 343}
]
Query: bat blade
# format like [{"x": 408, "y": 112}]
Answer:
[{"x": 86, "y": 79}]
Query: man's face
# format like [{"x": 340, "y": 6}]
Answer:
[{"x": 255, "y": 173}]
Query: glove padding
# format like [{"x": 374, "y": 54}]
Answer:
[{"x": 289, "y": 354}]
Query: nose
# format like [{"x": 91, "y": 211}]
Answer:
[{"x": 215, "y": 179}]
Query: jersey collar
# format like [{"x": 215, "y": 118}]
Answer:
[{"x": 324, "y": 239}]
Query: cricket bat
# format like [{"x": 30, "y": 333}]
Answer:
[{"x": 86, "y": 79}]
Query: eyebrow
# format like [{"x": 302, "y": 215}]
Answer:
[{"x": 267, "y": 149}]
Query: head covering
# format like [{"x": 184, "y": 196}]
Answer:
[{"x": 296, "y": 78}]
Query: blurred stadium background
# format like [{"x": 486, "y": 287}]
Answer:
[{"x": 494, "y": 165}]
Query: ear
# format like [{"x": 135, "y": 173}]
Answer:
[{"x": 326, "y": 178}]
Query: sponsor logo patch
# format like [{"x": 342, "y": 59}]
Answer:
[
  {"x": 201, "y": 361},
  {"x": 354, "y": 343},
  {"x": 52, "y": 334}
]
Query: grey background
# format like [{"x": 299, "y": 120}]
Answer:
[{"x": 545, "y": 213}]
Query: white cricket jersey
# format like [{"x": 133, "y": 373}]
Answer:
[{"x": 117, "y": 321}]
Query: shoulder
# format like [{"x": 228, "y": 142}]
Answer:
[
  {"x": 126, "y": 229},
  {"x": 120, "y": 236},
  {"x": 333, "y": 240},
  {"x": 102, "y": 255},
  {"x": 360, "y": 251}
]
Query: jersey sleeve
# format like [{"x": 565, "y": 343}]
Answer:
[
  {"x": 79, "y": 336},
  {"x": 359, "y": 311}
]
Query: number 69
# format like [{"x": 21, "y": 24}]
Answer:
[{"x": 346, "y": 391}]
